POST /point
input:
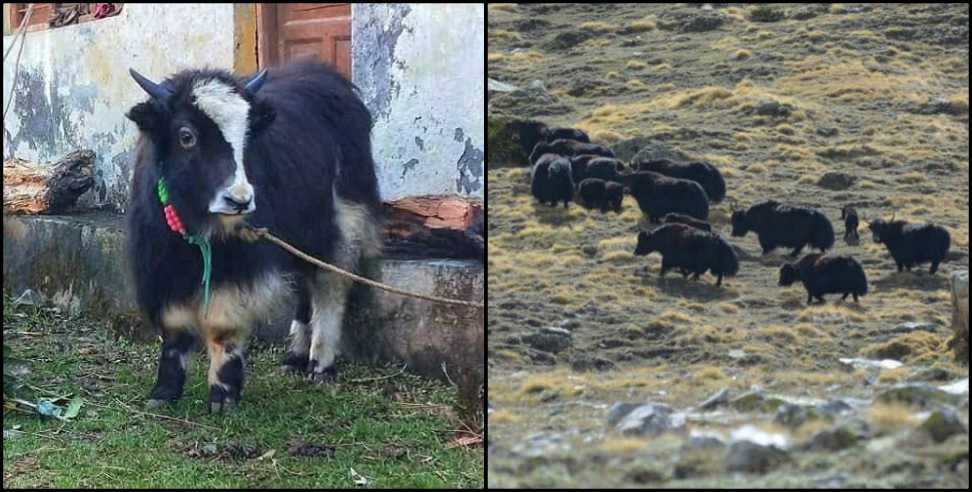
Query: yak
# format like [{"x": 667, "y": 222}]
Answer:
[
  {"x": 578, "y": 165},
  {"x": 690, "y": 250},
  {"x": 566, "y": 133},
  {"x": 703, "y": 173},
  {"x": 826, "y": 274},
  {"x": 674, "y": 218},
  {"x": 849, "y": 216},
  {"x": 528, "y": 133},
  {"x": 912, "y": 244},
  {"x": 606, "y": 168},
  {"x": 551, "y": 180},
  {"x": 568, "y": 148},
  {"x": 658, "y": 195},
  {"x": 288, "y": 149},
  {"x": 601, "y": 194},
  {"x": 779, "y": 225}
]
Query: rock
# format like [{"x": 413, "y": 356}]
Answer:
[
  {"x": 834, "y": 407},
  {"x": 650, "y": 419},
  {"x": 647, "y": 150},
  {"x": 775, "y": 109},
  {"x": 568, "y": 39},
  {"x": 856, "y": 363},
  {"x": 589, "y": 250},
  {"x": 912, "y": 326},
  {"x": 749, "y": 457},
  {"x": 583, "y": 363},
  {"x": 717, "y": 400},
  {"x": 493, "y": 86},
  {"x": 959, "y": 284},
  {"x": 808, "y": 12},
  {"x": 540, "y": 446},
  {"x": 702, "y": 22},
  {"x": 531, "y": 24},
  {"x": 793, "y": 416},
  {"x": 942, "y": 424},
  {"x": 836, "y": 439},
  {"x": 765, "y": 13},
  {"x": 940, "y": 105},
  {"x": 833, "y": 180},
  {"x": 960, "y": 387},
  {"x": 826, "y": 131},
  {"x": 551, "y": 340},
  {"x": 755, "y": 401},
  {"x": 920, "y": 394},
  {"x": 931, "y": 374},
  {"x": 620, "y": 410},
  {"x": 703, "y": 441}
]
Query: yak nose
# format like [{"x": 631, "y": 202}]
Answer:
[{"x": 238, "y": 203}]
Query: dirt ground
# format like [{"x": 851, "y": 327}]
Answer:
[{"x": 824, "y": 105}]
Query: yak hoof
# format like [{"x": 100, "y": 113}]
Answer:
[
  {"x": 222, "y": 406},
  {"x": 220, "y": 400},
  {"x": 294, "y": 364},
  {"x": 326, "y": 376},
  {"x": 156, "y": 403}
]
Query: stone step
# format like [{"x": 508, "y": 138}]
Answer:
[{"x": 78, "y": 262}]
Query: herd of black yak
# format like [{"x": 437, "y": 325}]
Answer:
[{"x": 567, "y": 167}]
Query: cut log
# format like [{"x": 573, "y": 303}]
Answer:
[
  {"x": 29, "y": 188},
  {"x": 435, "y": 226}
]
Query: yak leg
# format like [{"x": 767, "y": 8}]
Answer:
[
  {"x": 855, "y": 297},
  {"x": 177, "y": 340},
  {"x": 844, "y": 298},
  {"x": 766, "y": 245},
  {"x": 796, "y": 252},
  {"x": 298, "y": 353},
  {"x": 328, "y": 302},
  {"x": 719, "y": 280},
  {"x": 665, "y": 266},
  {"x": 225, "y": 368},
  {"x": 934, "y": 268}
]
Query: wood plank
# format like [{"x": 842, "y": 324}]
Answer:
[
  {"x": 29, "y": 188},
  {"x": 435, "y": 226}
]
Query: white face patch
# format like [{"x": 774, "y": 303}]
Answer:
[{"x": 229, "y": 111}]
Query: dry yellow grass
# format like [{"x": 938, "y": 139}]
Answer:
[
  {"x": 642, "y": 25},
  {"x": 502, "y": 7},
  {"x": 635, "y": 65},
  {"x": 494, "y": 57},
  {"x": 622, "y": 445},
  {"x": 742, "y": 54},
  {"x": 635, "y": 85},
  {"x": 889, "y": 417},
  {"x": 596, "y": 26},
  {"x": 915, "y": 347},
  {"x": 503, "y": 416}
]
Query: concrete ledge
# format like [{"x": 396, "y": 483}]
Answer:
[{"x": 78, "y": 262}]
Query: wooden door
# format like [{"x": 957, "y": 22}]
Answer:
[{"x": 290, "y": 31}]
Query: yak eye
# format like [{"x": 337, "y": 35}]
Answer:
[{"x": 187, "y": 139}]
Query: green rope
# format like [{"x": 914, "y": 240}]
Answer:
[{"x": 202, "y": 241}]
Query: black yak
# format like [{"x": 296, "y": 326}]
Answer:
[
  {"x": 287, "y": 149},
  {"x": 826, "y": 274},
  {"x": 674, "y": 218},
  {"x": 528, "y": 134},
  {"x": 658, "y": 195},
  {"x": 849, "y": 216},
  {"x": 779, "y": 225},
  {"x": 550, "y": 180},
  {"x": 552, "y": 134},
  {"x": 606, "y": 168},
  {"x": 690, "y": 250},
  {"x": 912, "y": 244},
  {"x": 701, "y": 172},
  {"x": 600, "y": 194},
  {"x": 578, "y": 165},
  {"x": 568, "y": 148}
]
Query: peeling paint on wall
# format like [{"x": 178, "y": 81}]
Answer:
[{"x": 421, "y": 71}]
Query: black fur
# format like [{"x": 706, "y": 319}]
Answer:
[
  {"x": 606, "y": 168},
  {"x": 691, "y": 250},
  {"x": 826, "y": 274},
  {"x": 528, "y": 134},
  {"x": 600, "y": 194},
  {"x": 568, "y": 148},
  {"x": 578, "y": 166},
  {"x": 849, "y": 216},
  {"x": 171, "y": 377},
  {"x": 658, "y": 195},
  {"x": 567, "y": 133},
  {"x": 551, "y": 180},
  {"x": 779, "y": 225},
  {"x": 701, "y": 172},
  {"x": 309, "y": 132},
  {"x": 685, "y": 219},
  {"x": 912, "y": 244}
]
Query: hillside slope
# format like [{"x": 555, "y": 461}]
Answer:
[{"x": 824, "y": 105}]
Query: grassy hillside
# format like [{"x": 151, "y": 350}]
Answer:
[{"x": 785, "y": 100}]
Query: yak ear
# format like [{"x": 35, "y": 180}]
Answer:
[
  {"x": 262, "y": 115},
  {"x": 146, "y": 116}
]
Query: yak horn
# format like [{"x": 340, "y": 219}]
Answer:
[
  {"x": 254, "y": 84},
  {"x": 157, "y": 91}
]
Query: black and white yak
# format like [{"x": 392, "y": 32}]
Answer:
[{"x": 287, "y": 149}]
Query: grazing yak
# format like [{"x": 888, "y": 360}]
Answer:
[
  {"x": 606, "y": 168},
  {"x": 566, "y": 133},
  {"x": 528, "y": 134},
  {"x": 287, "y": 149},
  {"x": 551, "y": 181},
  {"x": 701, "y": 172},
  {"x": 600, "y": 194},
  {"x": 849, "y": 216},
  {"x": 685, "y": 219},
  {"x": 826, "y": 274},
  {"x": 779, "y": 225},
  {"x": 912, "y": 244},
  {"x": 658, "y": 195},
  {"x": 690, "y": 250},
  {"x": 578, "y": 166},
  {"x": 568, "y": 148}
]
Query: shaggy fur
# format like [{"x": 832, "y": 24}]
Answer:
[
  {"x": 912, "y": 244},
  {"x": 658, "y": 195},
  {"x": 690, "y": 250},
  {"x": 779, "y": 225},
  {"x": 568, "y": 148},
  {"x": 703, "y": 173},
  {"x": 828, "y": 274},
  {"x": 596, "y": 193}
]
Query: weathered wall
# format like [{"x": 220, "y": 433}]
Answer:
[
  {"x": 74, "y": 86},
  {"x": 421, "y": 70}
]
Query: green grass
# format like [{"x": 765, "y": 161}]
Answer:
[{"x": 395, "y": 431}]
